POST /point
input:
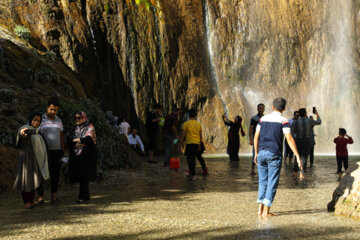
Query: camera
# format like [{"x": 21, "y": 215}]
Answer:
[
  {"x": 30, "y": 131},
  {"x": 314, "y": 110}
]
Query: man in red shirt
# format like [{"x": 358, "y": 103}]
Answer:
[{"x": 341, "y": 149}]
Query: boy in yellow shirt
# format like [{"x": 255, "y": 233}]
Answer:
[{"x": 192, "y": 132}]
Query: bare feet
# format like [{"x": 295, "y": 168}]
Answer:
[
  {"x": 340, "y": 174},
  {"x": 301, "y": 177},
  {"x": 269, "y": 215},
  {"x": 267, "y": 212},
  {"x": 261, "y": 208}
]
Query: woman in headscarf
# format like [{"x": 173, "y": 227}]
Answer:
[
  {"x": 233, "y": 137},
  {"x": 81, "y": 140},
  {"x": 32, "y": 160}
]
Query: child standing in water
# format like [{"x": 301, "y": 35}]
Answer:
[{"x": 341, "y": 149}]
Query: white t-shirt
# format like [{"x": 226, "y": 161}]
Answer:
[{"x": 124, "y": 128}]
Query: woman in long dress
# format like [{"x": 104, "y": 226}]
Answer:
[
  {"x": 32, "y": 160},
  {"x": 233, "y": 137},
  {"x": 81, "y": 140}
]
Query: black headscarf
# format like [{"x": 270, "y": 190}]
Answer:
[{"x": 34, "y": 114}]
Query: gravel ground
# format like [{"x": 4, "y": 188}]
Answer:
[{"x": 158, "y": 203}]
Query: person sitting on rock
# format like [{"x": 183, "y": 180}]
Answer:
[
  {"x": 341, "y": 150},
  {"x": 135, "y": 142}
]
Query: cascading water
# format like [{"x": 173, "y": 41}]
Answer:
[
  {"x": 210, "y": 49},
  {"x": 159, "y": 55},
  {"x": 88, "y": 18},
  {"x": 331, "y": 76},
  {"x": 260, "y": 50}
]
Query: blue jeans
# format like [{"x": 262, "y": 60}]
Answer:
[{"x": 269, "y": 166}]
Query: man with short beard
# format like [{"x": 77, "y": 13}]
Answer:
[{"x": 51, "y": 128}]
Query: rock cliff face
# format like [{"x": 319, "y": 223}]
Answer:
[
  {"x": 305, "y": 51},
  {"x": 216, "y": 55},
  {"x": 128, "y": 53}
]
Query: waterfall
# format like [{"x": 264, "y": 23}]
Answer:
[
  {"x": 159, "y": 54},
  {"x": 210, "y": 49},
  {"x": 88, "y": 18},
  {"x": 93, "y": 39},
  {"x": 332, "y": 79}
]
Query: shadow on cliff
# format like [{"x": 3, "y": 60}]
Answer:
[{"x": 346, "y": 184}]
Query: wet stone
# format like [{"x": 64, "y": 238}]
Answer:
[{"x": 158, "y": 203}]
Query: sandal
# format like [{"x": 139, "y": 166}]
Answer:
[
  {"x": 55, "y": 201},
  {"x": 80, "y": 201}
]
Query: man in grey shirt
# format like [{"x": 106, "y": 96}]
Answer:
[
  {"x": 301, "y": 129},
  {"x": 51, "y": 128}
]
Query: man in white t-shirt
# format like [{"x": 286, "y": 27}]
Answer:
[
  {"x": 124, "y": 127},
  {"x": 51, "y": 128}
]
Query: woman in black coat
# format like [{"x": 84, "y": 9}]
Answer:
[
  {"x": 81, "y": 140},
  {"x": 233, "y": 137}
]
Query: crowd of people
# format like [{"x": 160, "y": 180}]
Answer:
[{"x": 41, "y": 145}]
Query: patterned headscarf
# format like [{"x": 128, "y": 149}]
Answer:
[{"x": 84, "y": 130}]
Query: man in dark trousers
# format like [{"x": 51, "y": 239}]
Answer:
[
  {"x": 301, "y": 129},
  {"x": 268, "y": 144},
  {"x": 152, "y": 126},
  {"x": 51, "y": 128},
  {"x": 253, "y": 123},
  {"x": 170, "y": 133}
]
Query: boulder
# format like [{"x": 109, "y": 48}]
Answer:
[{"x": 346, "y": 197}]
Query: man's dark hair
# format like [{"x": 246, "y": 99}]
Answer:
[
  {"x": 342, "y": 131},
  {"x": 157, "y": 106},
  {"x": 192, "y": 113},
  {"x": 296, "y": 112},
  {"x": 261, "y": 104},
  {"x": 53, "y": 101},
  {"x": 302, "y": 112},
  {"x": 279, "y": 104}
]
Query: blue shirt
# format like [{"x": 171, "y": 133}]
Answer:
[{"x": 272, "y": 128}]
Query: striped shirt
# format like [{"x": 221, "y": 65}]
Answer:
[
  {"x": 272, "y": 128},
  {"x": 51, "y": 129}
]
